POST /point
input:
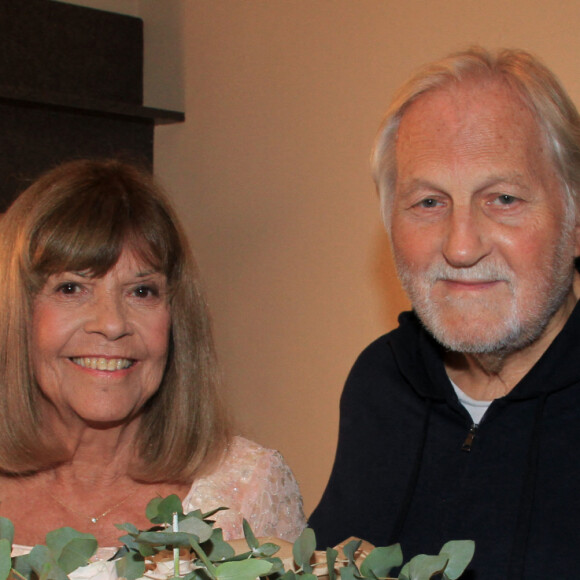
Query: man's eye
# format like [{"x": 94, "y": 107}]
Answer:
[
  {"x": 428, "y": 202},
  {"x": 506, "y": 199}
]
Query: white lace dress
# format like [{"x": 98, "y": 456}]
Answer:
[{"x": 255, "y": 483}]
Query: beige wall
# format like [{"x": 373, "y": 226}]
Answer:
[{"x": 270, "y": 174}]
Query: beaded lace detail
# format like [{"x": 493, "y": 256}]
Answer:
[{"x": 256, "y": 484}]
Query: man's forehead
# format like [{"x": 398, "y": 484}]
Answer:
[
  {"x": 488, "y": 117},
  {"x": 459, "y": 104}
]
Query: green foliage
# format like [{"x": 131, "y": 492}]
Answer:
[
  {"x": 6, "y": 530},
  {"x": 460, "y": 553},
  {"x": 303, "y": 550},
  {"x": 381, "y": 561},
  {"x": 65, "y": 551},
  {"x": 196, "y": 541},
  {"x": 331, "y": 555}
]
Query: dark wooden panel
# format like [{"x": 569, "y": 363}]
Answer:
[
  {"x": 63, "y": 48},
  {"x": 34, "y": 140}
]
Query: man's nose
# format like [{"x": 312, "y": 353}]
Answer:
[
  {"x": 465, "y": 242},
  {"x": 108, "y": 316}
]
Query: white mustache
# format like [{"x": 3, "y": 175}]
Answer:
[{"x": 481, "y": 272}]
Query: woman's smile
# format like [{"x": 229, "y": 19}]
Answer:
[{"x": 103, "y": 363}]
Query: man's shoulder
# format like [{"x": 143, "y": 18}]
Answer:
[
  {"x": 384, "y": 348},
  {"x": 382, "y": 361}
]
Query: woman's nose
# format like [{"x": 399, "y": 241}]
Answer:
[{"x": 108, "y": 316}]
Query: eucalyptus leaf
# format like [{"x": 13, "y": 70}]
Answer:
[
  {"x": 209, "y": 514},
  {"x": 76, "y": 553},
  {"x": 289, "y": 575},
  {"x": 45, "y": 566},
  {"x": 381, "y": 561},
  {"x": 147, "y": 550},
  {"x": 196, "y": 526},
  {"x": 131, "y": 566},
  {"x": 22, "y": 565},
  {"x": 129, "y": 528},
  {"x": 58, "y": 540},
  {"x": 216, "y": 548},
  {"x": 240, "y": 557},
  {"x": 198, "y": 574},
  {"x": 277, "y": 566},
  {"x": 460, "y": 553},
  {"x": 423, "y": 567},
  {"x": 172, "y": 539},
  {"x": 245, "y": 570},
  {"x": 162, "y": 512},
  {"x": 303, "y": 549},
  {"x": 129, "y": 542},
  {"x": 6, "y": 530},
  {"x": 349, "y": 573},
  {"x": 266, "y": 550},
  {"x": 152, "y": 509},
  {"x": 331, "y": 555},
  {"x": 5, "y": 558},
  {"x": 249, "y": 535},
  {"x": 404, "y": 573},
  {"x": 350, "y": 551}
]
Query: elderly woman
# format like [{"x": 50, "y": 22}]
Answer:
[{"x": 107, "y": 368}]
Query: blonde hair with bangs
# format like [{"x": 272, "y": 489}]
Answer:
[{"x": 79, "y": 217}]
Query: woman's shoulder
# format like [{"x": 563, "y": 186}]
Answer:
[
  {"x": 242, "y": 450},
  {"x": 254, "y": 483},
  {"x": 242, "y": 460}
]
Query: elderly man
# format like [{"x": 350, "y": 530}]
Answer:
[{"x": 464, "y": 422}]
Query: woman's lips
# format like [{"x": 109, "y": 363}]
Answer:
[{"x": 99, "y": 363}]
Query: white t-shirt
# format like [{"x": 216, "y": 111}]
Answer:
[{"x": 474, "y": 407}]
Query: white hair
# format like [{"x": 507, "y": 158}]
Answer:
[{"x": 533, "y": 81}]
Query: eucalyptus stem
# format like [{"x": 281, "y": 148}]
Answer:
[
  {"x": 16, "y": 573},
  {"x": 175, "y": 550},
  {"x": 203, "y": 557}
]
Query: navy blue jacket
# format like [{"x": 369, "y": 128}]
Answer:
[{"x": 406, "y": 469}]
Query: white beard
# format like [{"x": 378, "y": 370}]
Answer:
[{"x": 477, "y": 328}]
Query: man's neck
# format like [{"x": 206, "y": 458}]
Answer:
[{"x": 488, "y": 376}]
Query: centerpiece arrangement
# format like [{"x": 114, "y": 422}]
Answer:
[{"x": 189, "y": 547}]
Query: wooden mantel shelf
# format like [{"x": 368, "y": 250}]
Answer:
[{"x": 96, "y": 107}]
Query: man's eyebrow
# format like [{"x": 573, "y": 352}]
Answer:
[
  {"x": 418, "y": 183},
  {"x": 508, "y": 179},
  {"x": 415, "y": 184}
]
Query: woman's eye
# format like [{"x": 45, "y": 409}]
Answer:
[
  {"x": 145, "y": 292},
  {"x": 68, "y": 288}
]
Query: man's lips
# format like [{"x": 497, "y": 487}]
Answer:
[
  {"x": 471, "y": 285},
  {"x": 98, "y": 363}
]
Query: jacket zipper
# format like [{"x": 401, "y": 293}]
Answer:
[{"x": 468, "y": 443}]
